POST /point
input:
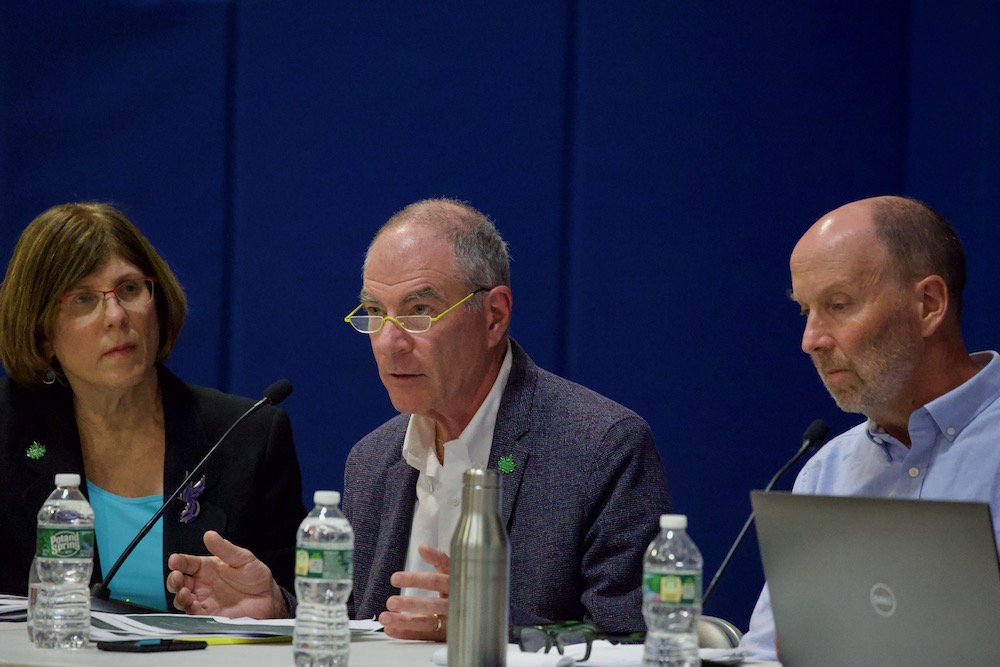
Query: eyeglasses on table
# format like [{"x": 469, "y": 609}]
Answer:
[{"x": 533, "y": 638}]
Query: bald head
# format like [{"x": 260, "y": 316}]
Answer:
[
  {"x": 879, "y": 282},
  {"x": 480, "y": 252},
  {"x": 846, "y": 231},
  {"x": 905, "y": 238}
]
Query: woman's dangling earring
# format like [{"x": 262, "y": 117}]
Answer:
[{"x": 49, "y": 376}]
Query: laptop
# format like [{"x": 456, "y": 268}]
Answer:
[{"x": 878, "y": 581}]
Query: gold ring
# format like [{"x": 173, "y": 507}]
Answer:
[{"x": 438, "y": 627}]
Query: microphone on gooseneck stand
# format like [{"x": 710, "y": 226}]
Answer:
[
  {"x": 100, "y": 594},
  {"x": 813, "y": 437}
]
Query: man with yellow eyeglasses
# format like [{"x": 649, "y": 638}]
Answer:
[{"x": 583, "y": 487}]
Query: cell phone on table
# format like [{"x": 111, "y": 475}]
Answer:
[{"x": 151, "y": 645}]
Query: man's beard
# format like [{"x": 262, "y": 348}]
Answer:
[{"x": 880, "y": 369}]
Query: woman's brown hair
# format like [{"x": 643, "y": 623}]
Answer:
[{"x": 56, "y": 250}]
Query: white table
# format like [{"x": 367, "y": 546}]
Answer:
[{"x": 368, "y": 650}]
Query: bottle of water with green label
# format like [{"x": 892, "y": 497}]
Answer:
[
  {"x": 64, "y": 560},
  {"x": 323, "y": 569},
  {"x": 33, "y": 585},
  {"x": 671, "y": 596}
]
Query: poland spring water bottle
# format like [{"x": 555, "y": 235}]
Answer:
[
  {"x": 33, "y": 584},
  {"x": 323, "y": 569},
  {"x": 671, "y": 596},
  {"x": 64, "y": 560}
]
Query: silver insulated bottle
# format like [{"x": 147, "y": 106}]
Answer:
[{"x": 480, "y": 576}]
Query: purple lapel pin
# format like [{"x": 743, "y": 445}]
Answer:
[{"x": 190, "y": 495}]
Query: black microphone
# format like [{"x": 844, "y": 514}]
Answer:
[
  {"x": 276, "y": 393},
  {"x": 813, "y": 437},
  {"x": 100, "y": 594}
]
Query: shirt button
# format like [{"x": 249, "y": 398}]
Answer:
[
  {"x": 877, "y": 440},
  {"x": 951, "y": 430},
  {"x": 455, "y": 502},
  {"x": 914, "y": 472}
]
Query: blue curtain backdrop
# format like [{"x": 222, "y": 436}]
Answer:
[{"x": 651, "y": 164}]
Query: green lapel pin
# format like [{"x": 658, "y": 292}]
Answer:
[
  {"x": 506, "y": 464},
  {"x": 36, "y": 450}
]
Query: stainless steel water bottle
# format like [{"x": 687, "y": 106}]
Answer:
[{"x": 480, "y": 576}]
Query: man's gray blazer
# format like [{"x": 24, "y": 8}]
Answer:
[{"x": 581, "y": 505}]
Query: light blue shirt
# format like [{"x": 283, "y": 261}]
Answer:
[
  {"x": 954, "y": 455},
  {"x": 117, "y": 520}
]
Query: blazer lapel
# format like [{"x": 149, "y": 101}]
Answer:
[
  {"x": 513, "y": 422},
  {"x": 187, "y": 443},
  {"x": 49, "y": 430},
  {"x": 57, "y": 451},
  {"x": 51, "y": 435},
  {"x": 394, "y": 536}
]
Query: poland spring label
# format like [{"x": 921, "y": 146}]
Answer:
[
  {"x": 65, "y": 543},
  {"x": 677, "y": 588},
  {"x": 324, "y": 563}
]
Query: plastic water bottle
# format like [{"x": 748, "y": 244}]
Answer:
[
  {"x": 64, "y": 560},
  {"x": 671, "y": 596},
  {"x": 33, "y": 585},
  {"x": 324, "y": 561}
]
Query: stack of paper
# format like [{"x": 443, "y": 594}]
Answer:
[
  {"x": 13, "y": 608},
  {"x": 212, "y": 629}
]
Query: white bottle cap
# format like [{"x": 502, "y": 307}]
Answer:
[
  {"x": 326, "y": 497},
  {"x": 67, "y": 479},
  {"x": 673, "y": 521}
]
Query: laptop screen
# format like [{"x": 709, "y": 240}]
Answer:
[{"x": 877, "y": 581}]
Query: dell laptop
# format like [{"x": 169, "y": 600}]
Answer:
[{"x": 878, "y": 581}]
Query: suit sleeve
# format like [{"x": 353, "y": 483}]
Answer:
[{"x": 629, "y": 493}]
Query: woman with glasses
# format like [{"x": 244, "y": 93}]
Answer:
[{"x": 89, "y": 313}]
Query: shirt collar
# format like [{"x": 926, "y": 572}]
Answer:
[
  {"x": 473, "y": 444},
  {"x": 953, "y": 411}
]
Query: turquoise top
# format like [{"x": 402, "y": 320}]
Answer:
[{"x": 117, "y": 520}]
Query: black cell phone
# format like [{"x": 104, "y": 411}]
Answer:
[{"x": 152, "y": 645}]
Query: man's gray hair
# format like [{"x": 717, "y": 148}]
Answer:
[
  {"x": 920, "y": 243},
  {"x": 481, "y": 253}
]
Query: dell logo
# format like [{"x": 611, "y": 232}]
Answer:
[{"x": 883, "y": 600}]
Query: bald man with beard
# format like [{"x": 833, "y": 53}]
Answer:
[{"x": 879, "y": 283}]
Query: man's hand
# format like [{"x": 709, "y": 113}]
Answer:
[
  {"x": 412, "y": 617},
  {"x": 232, "y": 582}
]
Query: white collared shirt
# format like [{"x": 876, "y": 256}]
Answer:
[{"x": 439, "y": 487}]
